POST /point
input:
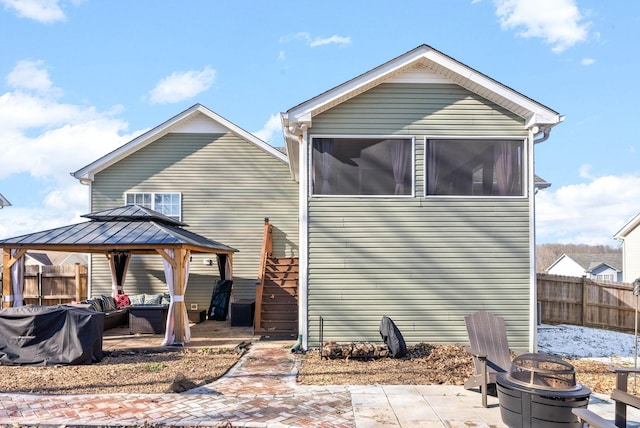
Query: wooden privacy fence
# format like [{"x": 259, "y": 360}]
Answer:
[
  {"x": 54, "y": 285},
  {"x": 581, "y": 301}
]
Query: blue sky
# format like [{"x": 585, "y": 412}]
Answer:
[{"x": 79, "y": 78}]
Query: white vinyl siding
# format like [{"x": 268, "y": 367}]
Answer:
[
  {"x": 631, "y": 255},
  {"x": 425, "y": 262},
  {"x": 228, "y": 187}
]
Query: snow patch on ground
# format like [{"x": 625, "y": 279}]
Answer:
[{"x": 569, "y": 341}]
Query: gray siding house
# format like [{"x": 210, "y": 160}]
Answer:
[
  {"x": 416, "y": 202},
  {"x": 407, "y": 191},
  {"x": 207, "y": 172}
]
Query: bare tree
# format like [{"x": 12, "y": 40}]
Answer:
[{"x": 546, "y": 254}]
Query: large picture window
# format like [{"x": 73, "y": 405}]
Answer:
[
  {"x": 362, "y": 166},
  {"x": 168, "y": 204},
  {"x": 474, "y": 167}
]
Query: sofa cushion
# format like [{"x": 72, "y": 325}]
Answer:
[
  {"x": 122, "y": 300},
  {"x": 166, "y": 299},
  {"x": 152, "y": 299},
  {"x": 136, "y": 299},
  {"x": 96, "y": 304},
  {"x": 108, "y": 304}
]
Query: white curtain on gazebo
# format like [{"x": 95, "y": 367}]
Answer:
[
  {"x": 169, "y": 334},
  {"x": 17, "y": 279}
]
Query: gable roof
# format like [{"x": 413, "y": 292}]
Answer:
[
  {"x": 4, "y": 202},
  {"x": 627, "y": 228},
  {"x": 429, "y": 60},
  {"x": 39, "y": 258},
  {"x": 196, "y": 119},
  {"x": 590, "y": 261}
]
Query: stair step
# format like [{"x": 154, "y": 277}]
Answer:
[
  {"x": 285, "y": 317},
  {"x": 275, "y": 289},
  {"x": 282, "y": 261}
]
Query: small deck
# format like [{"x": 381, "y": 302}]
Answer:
[{"x": 208, "y": 333}]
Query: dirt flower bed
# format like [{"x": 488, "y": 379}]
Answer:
[
  {"x": 123, "y": 371},
  {"x": 425, "y": 365},
  {"x": 156, "y": 371}
]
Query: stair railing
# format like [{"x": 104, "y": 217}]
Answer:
[{"x": 266, "y": 252}]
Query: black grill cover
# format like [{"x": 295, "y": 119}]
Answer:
[
  {"x": 393, "y": 338},
  {"x": 49, "y": 335},
  {"x": 219, "y": 307}
]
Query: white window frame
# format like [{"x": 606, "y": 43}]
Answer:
[
  {"x": 524, "y": 166},
  {"x": 153, "y": 201},
  {"x": 411, "y": 194}
]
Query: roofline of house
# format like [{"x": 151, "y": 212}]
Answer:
[
  {"x": 298, "y": 119},
  {"x": 87, "y": 173}
]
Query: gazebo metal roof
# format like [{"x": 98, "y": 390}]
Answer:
[{"x": 128, "y": 228}]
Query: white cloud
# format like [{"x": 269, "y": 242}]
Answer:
[
  {"x": 270, "y": 130},
  {"x": 44, "y": 11},
  {"x": 31, "y": 76},
  {"x": 557, "y": 22},
  {"x": 587, "y": 61},
  {"x": 585, "y": 171},
  {"x": 588, "y": 213},
  {"x": 45, "y": 140},
  {"x": 181, "y": 86},
  {"x": 338, "y": 40},
  {"x": 316, "y": 41}
]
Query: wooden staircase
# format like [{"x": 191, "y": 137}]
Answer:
[{"x": 276, "y": 313}]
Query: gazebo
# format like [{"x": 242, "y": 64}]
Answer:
[{"x": 119, "y": 233}]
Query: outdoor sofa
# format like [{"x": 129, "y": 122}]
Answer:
[{"x": 117, "y": 309}]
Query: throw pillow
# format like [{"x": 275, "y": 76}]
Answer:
[
  {"x": 136, "y": 299},
  {"x": 122, "y": 300},
  {"x": 96, "y": 304},
  {"x": 108, "y": 304},
  {"x": 152, "y": 299},
  {"x": 166, "y": 299}
]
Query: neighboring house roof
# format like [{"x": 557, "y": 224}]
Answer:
[
  {"x": 4, "y": 202},
  {"x": 196, "y": 120},
  {"x": 432, "y": 62},
  {"x": 627, "y": 228},
  {"x": 39, "y": 258},
  {"x": 541, "y": 183},
  {"x": 130, "y": 227},
  {"x": 589, "y": 262}
]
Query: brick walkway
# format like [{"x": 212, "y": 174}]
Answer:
[{"x": 258, "y": 392}]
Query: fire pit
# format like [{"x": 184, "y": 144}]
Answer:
[{"x": 540, "y": 391}]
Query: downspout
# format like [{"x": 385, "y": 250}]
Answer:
[
  {"x": 533, "y": 287},
  {"x": 297, "y": 133},
  {"x": 534, "y": 131},
  {"x": 303, "y": 239},
  {"x": 88, "y": 181},
  {"x": 545, "y": 130}
]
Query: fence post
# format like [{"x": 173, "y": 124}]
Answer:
[
  {"x": 39, "y": 279},
  {"x": 78, "y": 284},
  {"x": 584, "y": 300}
]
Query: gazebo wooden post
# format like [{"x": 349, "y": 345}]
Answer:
[
  {"x": 7, "y": 289},
  {"x": 179, "y": 289}
]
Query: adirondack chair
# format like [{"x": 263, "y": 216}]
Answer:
[
  {"x": 490, "y": 349},
  {"x": 620, "y": 395}
]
